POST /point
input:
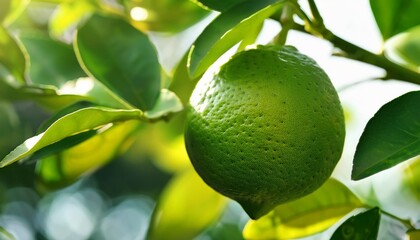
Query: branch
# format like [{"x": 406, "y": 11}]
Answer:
[{"x": 317, "y": 28}]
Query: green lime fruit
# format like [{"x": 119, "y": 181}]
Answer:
[
  {"x": 164, "y": 15},
  {"x": 266, "y": 129}
]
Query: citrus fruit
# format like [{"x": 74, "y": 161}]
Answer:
[
  {"x": 164, "y": 15},
  {"x": 266, "y": 129}
]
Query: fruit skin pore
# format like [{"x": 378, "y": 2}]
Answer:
[{"x": 268, "y": 128}]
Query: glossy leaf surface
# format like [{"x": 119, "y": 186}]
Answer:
[
  {"x": 12, "y": 56},
  {"x": 51, "y": 62},
  {"x": 120, "y": 57},
  {"x": 395, "y": 16},
  {"x": 390, "y": 137},
  {"x": 70, "y": 164},
  {"x": 69, "y": 125},
  {"x": 228, "y": 29},
  {"x": 363, "y": 226}
]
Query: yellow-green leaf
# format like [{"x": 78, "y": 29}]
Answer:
[
  {"x": 305, "y": 216},
  {"x": 12, "y": 56},
  {"x": 185, "y": 208},
  {"x": 413, "y": 235},
  {"x": 11, "y": 9},
  {"x": 228, "y": 29},
  {"x": 68, "y": 15},
  {"x": 67, "y": 166},
  {"x": 79, "y": 121}
]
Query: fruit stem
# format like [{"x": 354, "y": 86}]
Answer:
[
  {"x": 317, "y": 28},
  {"x": 287, "y": 23},
  {"x": 315, "y": 13}
]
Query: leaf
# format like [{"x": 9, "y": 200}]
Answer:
[
  {"x": 395, "y": 16},
  {"x": 218, "y": 5},
  {"x": 48, "y": 97},
  {"x": 12, "y": 56},
  {"x": 120, "y": 57},
  {"x": 51, "y": 62},
  {"x": 79, "y": 121},
  {"x": 68, "y": 15},
  {"x": 94, "y": 91},
  {"x": 82, "y": 89},
  {"x": 390, "y": 137},
  {"x": 306, "y": 216},
  {"x": 69, "y": 165},
  {"x": 11, "y": 9},
  {"x": 363, "y": 226},
  {"x": 167, "y": 104},
  {"x": 413, "y": 234},
  {"x": 63, "y": 144},
  {"x": 5, "y": 235},
  {"x": 226, "y": 30},
  {"x": 404, "y": 48},
  {"x": 186, "y": 207}
]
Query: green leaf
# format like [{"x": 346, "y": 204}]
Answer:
[
  {"x": 79, "y": 121},
  {"x": 390, "y": 137},
  {"x": 218, "y": 5},
  {"x": 404, "y": 48},
  {"x": 48, "y": 97},
  {"x": 62, "y": 145},
  {"x": 122, "y": 58},
  {"x": 5, "y": 235},
  {"x": 363, "y": 226},
  {"x": 185, "y": 208},
  {"x": 395, "y": 16},
  {"x": 68, "y": 15},
  {"x": 167, "y": 104},
  {"x": 82, "y": 89},
  {"x": 69, "y": 165},
  {"x": 94, "y": 91},
  {"x": 226, "y": 30},
  {"x": 11, "y": 9},
  {"x": 12, "y": 56},
  {"x": 63, "y": 112},
  {"x": 306, "y": 216},
  {"x": 51, "y": 62}
]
